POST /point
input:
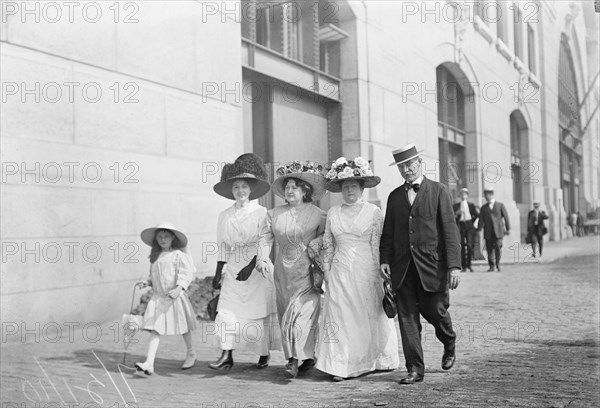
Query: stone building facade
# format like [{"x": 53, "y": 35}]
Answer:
[{"x": 118, "y": 116}]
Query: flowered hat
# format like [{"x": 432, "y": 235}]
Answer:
[
  {"x": 148, "y": 234},
  {"x": 248, "y": 167},
  {"x": 342, "y": 170},
  {"x": 307, "y": 171}
]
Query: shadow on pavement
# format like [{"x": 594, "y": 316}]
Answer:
[{"x": 113, "y": 362}]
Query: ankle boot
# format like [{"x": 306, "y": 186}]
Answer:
[
  {"x": 225, "y": 362},
  {"x": 263, "y": 361},
  {"x": 292, "y": 367}
]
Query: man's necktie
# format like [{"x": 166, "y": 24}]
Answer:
[{"x": 411, "y": 196}]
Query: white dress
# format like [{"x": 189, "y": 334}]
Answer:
[
  {"x": 163, "y": 314},
  {"x": 247, "y": 318},
  {"x": 356, "y": 336}
]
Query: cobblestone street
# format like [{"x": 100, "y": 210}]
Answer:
[{"x": 528, "y": 337}]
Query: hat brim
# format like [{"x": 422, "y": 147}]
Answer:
[
  {"x": 407, "y": 159},
  {"x": 317, "y": 181},
  {"x": 335, "y": 186},
  {"x": 148, "y": 235},
  {"x": 259, "y": 189}
]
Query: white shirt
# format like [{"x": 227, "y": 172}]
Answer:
[
  {"x": 465, "y": 214},
  {"x": 491, "y": 204},
  {"x": 412, "y": 194}
]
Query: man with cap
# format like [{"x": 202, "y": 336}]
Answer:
[
  {"x": 536, "y": 228},
  {"x": 493, "y": 219},
  {"x": 466, "y": 213},
  {"x": 420, "y": 250}
]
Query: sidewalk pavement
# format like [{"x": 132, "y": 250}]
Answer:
[
  {"x": 514, "y": 252},
  {"x": 527, "y": 337}
]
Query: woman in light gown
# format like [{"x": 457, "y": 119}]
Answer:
[
  {"x": 246, "y": 318},
  {"x": 295, "y": 227},
  {"x": 356, "y": 335}
]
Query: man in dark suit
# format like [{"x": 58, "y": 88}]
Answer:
[
  {"x": 420, "y": 250},
  {"x": 466, "y": 213},
  {"x": 536, "y": 228},
  {"x": 493, "y": 219}
]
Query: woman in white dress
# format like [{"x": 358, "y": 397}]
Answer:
[
  {"x": 246, "y": 315},
  {"x": 296, "y": 227},
  {"x": 356, "y": 337}
]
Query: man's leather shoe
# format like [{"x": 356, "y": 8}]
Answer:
[
  {"x": 448, "y": 359},
  {"x": 412, "y": 378},
  {"x": 498, "y": 268},
  {"x": 491, "y": 269}
]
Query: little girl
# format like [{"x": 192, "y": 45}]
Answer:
[{"x": 169, "y": 311}]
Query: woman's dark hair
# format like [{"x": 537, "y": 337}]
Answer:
[
  {"x": 251, "y": 183},
  {"x": 306, "y": 188},
  {"x": 361, "y": 183},
  {"x": 156, "y": 249}
]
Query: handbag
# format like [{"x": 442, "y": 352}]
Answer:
[
  {"x": 316, "y": 277},
  {"x": 389, "y": 300},
  {"x": 211, "y": 307},
  {"x": 131, "y": 324}
]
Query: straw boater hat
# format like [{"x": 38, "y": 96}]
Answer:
[
  {"x": 342, "y": 170},
  {"x": 464, "y": 190},
  {"x": 488, "y": 189},
  {"x": 405, "y": 154},
  {"x": 148, "y": 234},
  {"x": 305, "y": 171},
  {"x": 249, "y": 167}
]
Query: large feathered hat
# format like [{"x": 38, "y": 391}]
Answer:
[{"x": 249, "y": 167}]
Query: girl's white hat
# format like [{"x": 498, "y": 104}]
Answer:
[{"x": 148, "y": 234}]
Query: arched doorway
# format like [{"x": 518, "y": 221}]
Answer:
[
  {"x": 570, "y": 144},
  {"x": 522, "y": 171},
  {"x": 456, "y": 129}
]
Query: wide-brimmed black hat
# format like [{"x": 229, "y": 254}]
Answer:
[{"x": 249, "y": 167}]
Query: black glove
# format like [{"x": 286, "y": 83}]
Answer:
[
  {"x": 216, "y": 283},
  {"x": 244, "y": 274}
]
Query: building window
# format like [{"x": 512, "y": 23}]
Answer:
[
  {"x": 451, "y": 130},
  {"x": 303, "y": 31},
  {"x": 531, "y": 48},
  {"x": 515, "y": 159},
  {"x": 518, "y": 31},
  {"x": 292, "y": 32}
]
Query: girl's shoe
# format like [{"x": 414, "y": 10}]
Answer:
[
  {"x": 307, "y": 365},
  {"x": 292, "y": 367},
  {"x": 225, "y": 362},
  {"x": 190, "y": 360},
  {"x": 145, "y": 368},
  {"x": 263, "y": 361}
]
